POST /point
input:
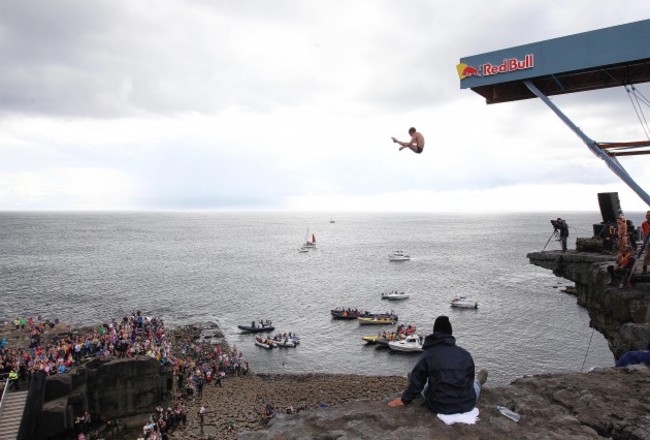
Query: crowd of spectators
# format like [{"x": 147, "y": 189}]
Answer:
[
  {"x": 31, "y": 344},
  {"x": 196, "y": 365},
  {"x": 56, "y": 349}
]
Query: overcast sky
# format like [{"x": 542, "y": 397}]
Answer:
[{"x": 290, "y": 105}]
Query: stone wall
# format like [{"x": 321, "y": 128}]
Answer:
[
  {"x": 621, "y": 315},
  {"x": 120, "y": 388}
]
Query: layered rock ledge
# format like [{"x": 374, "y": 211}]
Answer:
[
  {"x": 621, "y": 315},
  {"x": 119, "y": 388}
]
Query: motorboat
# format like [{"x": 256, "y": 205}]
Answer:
[
  {"x": 379, "y": 341},
  {"x": 388, "y": 315},
  {"x": 286, "y": 340},
  {"x": 263, "y": 326},
  {"x": 394, "y": 295},
  {"x": 398, "y": 256},
  {"x": 350, "y": 314},
  {"x": 376, "y": 320},
  {"x": 303, "y": 249},
  {"x": 343, "y": 313},
  {"x": 411, "y": 344},
  {"x": 284, "y": 343},
  {"x": 464, "y": 302},
  {"x": 371, "y": 339},
  {"x": 265, "y": 343}
]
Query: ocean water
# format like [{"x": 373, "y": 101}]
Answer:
[{"x": 233, "y": 268}]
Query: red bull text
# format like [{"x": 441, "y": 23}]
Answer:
[
  {"x": 489, "y": 69},
  {"x": 509, "y": 65}
]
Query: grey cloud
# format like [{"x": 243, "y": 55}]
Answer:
[{"x": 102, "y": 59}]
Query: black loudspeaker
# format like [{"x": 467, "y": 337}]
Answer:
[
  {"x": 601, "y": 230},
  {"x": 610, "y": 207}
]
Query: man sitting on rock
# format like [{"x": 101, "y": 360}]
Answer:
[
  {"x": 444, "y": 375},
  {"x": 620, "y": 273}
]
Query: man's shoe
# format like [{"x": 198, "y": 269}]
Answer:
[{"x": 482, "y": 376}]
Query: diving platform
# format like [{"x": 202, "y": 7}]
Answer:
[
  {"x": 617, "y": 56},
  {"x": 591, "y": 60}
]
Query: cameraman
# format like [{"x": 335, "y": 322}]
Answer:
[{"x": 561, "y": 226}]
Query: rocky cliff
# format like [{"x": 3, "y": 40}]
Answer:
[
  {"x": 119, "y": 388},
  {"x": 608, "y": 403},
  {"x": 622, "y": 315},
  {"x": 612, "y": 403}
]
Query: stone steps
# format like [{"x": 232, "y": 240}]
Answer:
[{"x": 11, "y": 413}]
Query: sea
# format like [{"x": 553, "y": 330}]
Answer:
[{"x": 234, "y": 268}]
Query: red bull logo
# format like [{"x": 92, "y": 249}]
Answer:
[
  {"x": 465, "y": 71},
  {"x": 489, "y": 69}
]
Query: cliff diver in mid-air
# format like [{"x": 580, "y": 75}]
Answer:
[{"x": 416, "y": 143}]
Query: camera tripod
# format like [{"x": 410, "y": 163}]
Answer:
[{"x": 556, "y": 234}]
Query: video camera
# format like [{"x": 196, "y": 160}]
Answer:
[{"x": 555, "y": 224}]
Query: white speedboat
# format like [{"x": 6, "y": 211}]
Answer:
[
  {"x": 284, "y": 343},
  {"x": 412, "y": 344},
  {"x": 394, "y": 295},
  {"x": 464, "y": 302},
  {"x": 265, "y": 343},
  {"x": 398, "y": 256},
  {"x": 286, "y": 340},
  {"x": 303, "y": 249}
]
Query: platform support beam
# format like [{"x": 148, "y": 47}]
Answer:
[{"x": 611, "y": 162}]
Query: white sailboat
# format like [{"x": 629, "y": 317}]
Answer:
[{"x": 310, "y": 242}]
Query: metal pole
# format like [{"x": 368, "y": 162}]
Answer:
[{"x": 611, "y": 162}]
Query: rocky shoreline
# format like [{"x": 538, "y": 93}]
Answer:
[
  {"x": 611, "y": 403},
  {"x": 239, "y": 404},
  {"x": 607, "y": 403}
]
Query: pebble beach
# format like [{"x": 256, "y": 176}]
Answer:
[{"x": 240, "y": 403}]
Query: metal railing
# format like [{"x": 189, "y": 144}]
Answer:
[{"x": 4, "y": 392}]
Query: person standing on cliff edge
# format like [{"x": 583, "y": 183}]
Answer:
[
  {"x": 564, "y": 232},
  {"x": 645, "y": 228},
  {"x": 444, "y": 375}
]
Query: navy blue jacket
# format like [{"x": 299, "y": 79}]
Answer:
[{"x": 449, "y": 370}]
